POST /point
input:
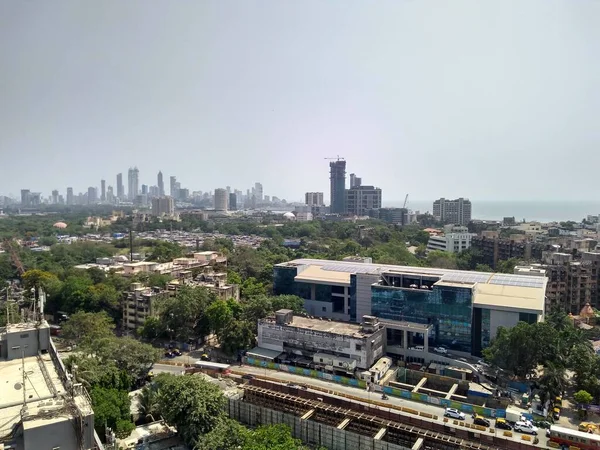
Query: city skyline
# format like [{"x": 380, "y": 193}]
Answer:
[{"x": 273, "y": 89}]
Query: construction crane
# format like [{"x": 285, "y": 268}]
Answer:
[
  {"x": 338, "y": 158},
  {"x": 9, "y": 245},
  {"x": 405, "y": 201}
]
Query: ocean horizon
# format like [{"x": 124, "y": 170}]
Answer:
[{"x": 539, "y": 211}]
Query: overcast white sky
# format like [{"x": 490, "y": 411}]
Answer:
[{"x": 481, "y": 99}]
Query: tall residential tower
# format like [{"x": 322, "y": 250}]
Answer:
[{"x": 337, "y": 176}]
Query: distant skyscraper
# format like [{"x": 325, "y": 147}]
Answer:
[
  {"x": 92, "y": 195},
  {"x": 314, "y": 198},
  {"x": 54, "y": 197},
  {"x": 337, "y": 177},
  {"x": 110, "y": 195},
  {"x": 161, "y": 185},
  {"x": 70, "y": 196},
  {"x": 172, "y": 186},
  {"x": 25, "y": 197},
  {"x": 258, "y": 192},
  {"x": 120, "y": 187},
  {"x": 232, "y": 202},
  {"x": 220, "y": 199},
  {"x": 103, "y": 190},
  {"x": 144, "y": 189},
  {"x": 134, "y": 183}
]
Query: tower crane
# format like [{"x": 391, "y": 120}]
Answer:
[
  {"x": 405, "y": 201},
  {"x": 338, "y": 158},
  {"x": 9, "y": 245}
]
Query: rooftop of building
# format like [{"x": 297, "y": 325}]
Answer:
[
  {"x": 323, "y": 325},
  {"x": 326, "y": 270},
  {"x": 37, "y": 383}
]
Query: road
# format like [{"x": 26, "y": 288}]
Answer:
[{"x": 166, "y": 368}]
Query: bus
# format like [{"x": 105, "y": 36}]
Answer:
[
  {"x": 212, "y": 368},
  {"x": 566, "y": 437}
]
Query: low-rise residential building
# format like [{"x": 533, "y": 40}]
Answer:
[
  {"x": 333, "y": 346},
  {"x": 494, "y": 249},
  {"x": 199, "y": 260},
  {"x": 41, "y": 405},
  {"x": 449, "y": 242},
  {"x": 140, "y": 303}
]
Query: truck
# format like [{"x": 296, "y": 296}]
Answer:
[{"x": 513, "y": 415}]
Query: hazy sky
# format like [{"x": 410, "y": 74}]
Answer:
[{"x": 482, "y": 99}]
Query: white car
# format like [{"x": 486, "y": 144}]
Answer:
[
  {"x": 441, "y": 350},
  {"x": 525, "y": 427},
  {"x": 454, "y": 413}
]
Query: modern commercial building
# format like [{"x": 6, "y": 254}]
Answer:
[
  {"x": 120, "y": 187},
  {"x": 173, "y": 189},
  {"x": 460, "y": 309},
  {"x": 163, "y": 206},
  {"x": 103, "y": 190},
  {"x": 134, "y": 183},
  {"x": 54, "y": 197},
  {"x": 314, "y": 198},
  {"x": 220, "y": 199},
  {"x": 396, "y": 216},
  {"x": 41, "y": 405},
  {"x": 452, "y": 242},
  {"x": 337, "y": 178},
  {"x": 333, "y": 346},
  {"x": 360, "y": 200},
  {"x": 457, "y": 211},
  {"x": 161, "y": 184}
]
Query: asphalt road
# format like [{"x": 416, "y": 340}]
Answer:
[{"x": 165, "y": 368}]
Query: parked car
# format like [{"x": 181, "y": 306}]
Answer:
[
  {"x": 454, "y": 413},
  {"x": 176, "y": 352},
  {"x": 503, "y": 424},
  {"x": 525, "y": 427},
  {"x": 441, "y": 350},
  {"x": 480, "y": 420}
]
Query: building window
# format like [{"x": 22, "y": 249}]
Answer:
[
  {"x": 341, "y": 364},
  {"x": 324, "y": 309},
  {"x": 358, "y": 347}
]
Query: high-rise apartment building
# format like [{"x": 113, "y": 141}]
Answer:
[
  {"x": 134, "y": 183},
  {"x": 314, "y": 198},
  {"x": 232, "y": 202},
  {"x": 258, "y": 192},
  {"x": 163, "y": 206},
  {"x": 337, "y": 177},
  {"x": 173, "y": 187},
  {"x": 70, "y": 200},
  {"x": 457, "y": 212},
  {"x": 25, "y": 197},
  {"x": 161, "y": 184},
  {"x": 144, "y": 189},
  {"x": 110, "y": 196},
  {"x": 92, "y": 195},
  {"x": 354, "y": 180},
  {"x": 361, "y": 199},
  {"x": 55, "y": 197},
  {"x": 103, "y": 190},
  {"x": 220, "y": 199},
  {"x": 120, "y": 187}
]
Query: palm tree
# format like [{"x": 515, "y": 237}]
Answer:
[
  {"x": 553, "y": 382},
  {"x": 148, "y": 401}
]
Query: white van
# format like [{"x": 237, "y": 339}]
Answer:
[
  {"x": 419, "y": 348},
  {"x": 525, "y": 427}
]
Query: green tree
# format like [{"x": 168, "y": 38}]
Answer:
[
  {"x": 192, "y": 404},
  {"x": 36, "y": 279},
  {"x": 553, "y": 382},
  {"x": 164, "y": 251},
  {"x": 152, "y": 329},
  {"x": 237, "y": 335},
  {"x": 111, "y": 408},
  {"x": 292, "y": 302},
  {"x": 147, "y": 400},
  {"x": 583, "y": 397},
  {"x": 12, "y": 309},
  {"x": 508, "y": 265},
  {"x": 94, "y": 372},
  {"x": 85, "y": 327},
  {"x": 442, "y": 260},
  {"x": 184, "y": 315},
  {"x": 273, "y": 437},
  {"x": 219, "y": 315},
  {"x": 227, "y": 435},
  {"x": 252, "y": 288}
]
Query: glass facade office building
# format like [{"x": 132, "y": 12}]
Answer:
[{"x": 447, "y": 308}]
